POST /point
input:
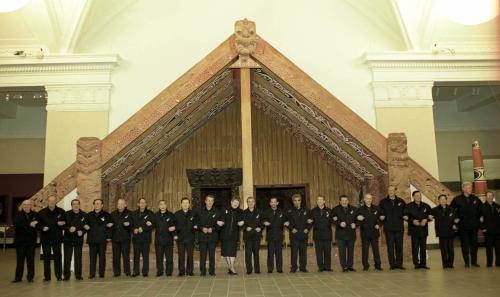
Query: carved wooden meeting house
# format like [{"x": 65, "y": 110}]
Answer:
[{"x": 243, "y": 121}]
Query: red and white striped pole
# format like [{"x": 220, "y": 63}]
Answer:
[{"x": 480, "y": 186}]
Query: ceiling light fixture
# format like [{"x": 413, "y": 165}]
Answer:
[
  {"x": 469, "y": 12},
  {"x": 12, "y": 5}
]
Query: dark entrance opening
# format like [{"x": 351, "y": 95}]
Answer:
[
  {"x": 284, "y": 194},
  {"x": 223, "y": 183},
  {"x": 222, "y": 197}
]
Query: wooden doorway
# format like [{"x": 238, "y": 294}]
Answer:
[{"x": 223, "y": 183}]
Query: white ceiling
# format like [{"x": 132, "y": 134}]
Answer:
[
  {"x": 57, "y": 26},
  {"x": 52, "y": 25},
  {"x": 424, "y": 25}
]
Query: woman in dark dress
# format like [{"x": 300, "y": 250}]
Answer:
[{"x": 230, "y": 233}]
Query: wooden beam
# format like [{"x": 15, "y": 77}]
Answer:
[{"x": 246, "y": 133}]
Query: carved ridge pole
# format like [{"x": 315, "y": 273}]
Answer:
[
  {"x": 88, "y": 176},
  {"x": 245, "y": 43}
]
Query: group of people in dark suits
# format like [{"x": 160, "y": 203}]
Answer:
[{"x": 207, "y": 226}]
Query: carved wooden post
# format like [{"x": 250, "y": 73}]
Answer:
[
  {"x": 399, "y": 166},
  {"x": 88, "y": 177},
  {"x": 245, "y": 43},
  {"x": 246, "y": 134},
  {"x": 399, "y": 175}
]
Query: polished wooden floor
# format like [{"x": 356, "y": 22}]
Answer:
[{"x": 459, "y": 282}]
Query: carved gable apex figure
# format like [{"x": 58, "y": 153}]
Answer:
[{"x": 246, "y": 41}]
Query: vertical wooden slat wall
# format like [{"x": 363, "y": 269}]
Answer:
[
  {"x": 279, "y": 158},
  {"x": 215, "y": 145}
]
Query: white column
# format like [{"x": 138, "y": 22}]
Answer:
[{"x": 78, "y": 99}]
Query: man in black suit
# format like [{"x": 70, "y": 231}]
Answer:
[
  {"x": 299, "y": 219},
  {"x": 209, "y": 224},
  {"x": 142, "y": 227},
  {"x": 99, "y": 226},
  {"x": 445, "y": 223},
  {"x": 73, "y": 239},
  {"x": 186, "y": 223},
  {"x": 418, "y": 217},
  {"x": 344, "y": 216},
  {"x": 322, "y": 234},
  {"x": 25, "y": 224},
  {"x": 164, "y": 221},
  {"x": 121, "y": 218},
  {"x": 252, "y": 234},
  {"x": 467, "y": 207},
  {"x": 51, "y": 224},
  {"x": 368, "y": 217},
  {"x": 394, "y": 215},
  {"x": 490, "y": 224},
  {"x": 274, "y": 219}
]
